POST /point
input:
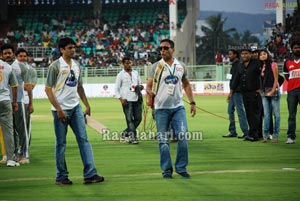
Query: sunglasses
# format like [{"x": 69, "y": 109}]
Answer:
[{"x": 164, "y": 47}]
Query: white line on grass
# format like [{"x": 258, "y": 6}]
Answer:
[{"x": 153, "y": 174}]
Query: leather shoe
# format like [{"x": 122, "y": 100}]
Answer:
[
  {"x": 242, "y": 137},
  {"x": 252, "y": 139},
  {"x": 230, "y": 135}
]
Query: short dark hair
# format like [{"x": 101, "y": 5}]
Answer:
[
  {"x": 20, "y": 50},
  {"x": 7, "y": 46},
  {"x": 172, "y": 44},
  {"x": 63, "y": 42},
  {"x": 295, "y": 43},
  {"x": 126, "y": 59},
  {"x": 234, "y": 52},
  {"x": 248, "y": 49}
]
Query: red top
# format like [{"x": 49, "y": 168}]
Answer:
[{"x": 292, "y": 68}]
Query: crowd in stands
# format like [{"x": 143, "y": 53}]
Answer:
[
  {"x": 102, "y": 42},
  {"x": 282, "y": 37},
  {"x": 99, "y": 43}
]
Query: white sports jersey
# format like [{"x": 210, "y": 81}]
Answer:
[
  {"x": 21, "y": 73},
  {"x": 64, "y": 81},
  {"x": 33, "y": 81},
  {"x": 7, "y": 80},
  {"x": 169, "y": 94},
  {"x": 125, "y": 85}
]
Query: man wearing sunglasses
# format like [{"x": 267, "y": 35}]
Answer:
[
  {"x": 166, "y": 79},
  {"x": 63, "y": 83}
]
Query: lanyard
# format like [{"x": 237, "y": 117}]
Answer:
[{"x": 169, "y": 68}]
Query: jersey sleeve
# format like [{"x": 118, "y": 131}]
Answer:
[
  {"x": 152, "y": 70},
  {"x": 12, "y": 79},
  {"x": 51, "y": 76},
  {"x": 33, "y": 76},
  {"x": 184, "y": 76},
  {"x": 25, "y": 73}
]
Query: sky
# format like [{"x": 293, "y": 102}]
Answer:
[{"x": 244, "y": 6}]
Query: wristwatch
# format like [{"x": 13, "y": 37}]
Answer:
[{"x": 193, "y": 103}]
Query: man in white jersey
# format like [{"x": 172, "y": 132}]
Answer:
[
  {"x": 21, "y": 72},
  {"x": 128, "y": 91},
  {"x": 21, "y": 56},
  {"x": 63, "y": 85},
  {"x": 8, "y": 80},
  {"x": 166, "y": 79}
]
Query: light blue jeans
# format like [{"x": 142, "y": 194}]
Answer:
[
  {"x": 76, "y": 121},
  {"x": 271, "y": 106},
  {"x": 237, "y": 103},
  {"x": 163, "y": 119}
]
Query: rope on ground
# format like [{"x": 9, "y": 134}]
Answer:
[{"x": 211, "y": 113}]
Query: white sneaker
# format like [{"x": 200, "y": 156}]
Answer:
[
  {"x": 124, "y": 139},
  {"x": 290, "y": 141},
  {"x": 11, "y": 163},
  {"x": 134, "y": 142},
  {"x": 4, "y": 160},
  {"x": 24, "y": 161}
]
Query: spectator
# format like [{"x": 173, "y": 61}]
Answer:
[
  {"x": 219, "y": 58},
  {"x": 291, "y": 72},
  {"x": 270, "y": 95}
]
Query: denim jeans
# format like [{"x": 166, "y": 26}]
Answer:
[
  {"x": 76, "y": 121},
  {"x": 236, "y": 102},
  {"x": 293, "y": 99},
  {"x": 271, "y": 105},
  {"x": 133, "y": 115},
  {"x": 163, "y": 119}
]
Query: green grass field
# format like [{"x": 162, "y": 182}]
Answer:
[{"x": 221, "y": 169}]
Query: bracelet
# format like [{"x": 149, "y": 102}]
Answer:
[{"x": 193, "y": 103}]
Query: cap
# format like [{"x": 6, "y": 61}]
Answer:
[{"x": 254, "y": 49}]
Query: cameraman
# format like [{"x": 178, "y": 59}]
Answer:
[{"x": 128, "y": 91}]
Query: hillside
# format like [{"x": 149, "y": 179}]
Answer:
[{"x": 241, "y": 21}]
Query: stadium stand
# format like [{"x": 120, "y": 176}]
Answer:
[
  {"x": 123, "y": 27},
  {"x": 283, "y": 36}
]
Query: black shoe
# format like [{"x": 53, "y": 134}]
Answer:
[
  {"x": 94, "y": 179},
  {"x": 184, "y": 175},
  {"x": 168, "y": 173},
  {"x": 230, "y": 135},
  {"x": 242, "y": 137},
  {"x": 252, "y": 139},
  {"x": 64, "y": 182},
  {"x": 167, "y": 176}
]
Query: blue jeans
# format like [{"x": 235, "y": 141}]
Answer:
[
  {"x": 237, "y": 102},
  {"x": 163, "y": 119},
  {"x": 293, "y": 99},
  {"x": 76, "y": 121},
  {"x": 271, "y": 105},
  {"x": 133, "y": 115}
]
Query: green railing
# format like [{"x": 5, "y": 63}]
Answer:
[{"x": 108, "y": 75}]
